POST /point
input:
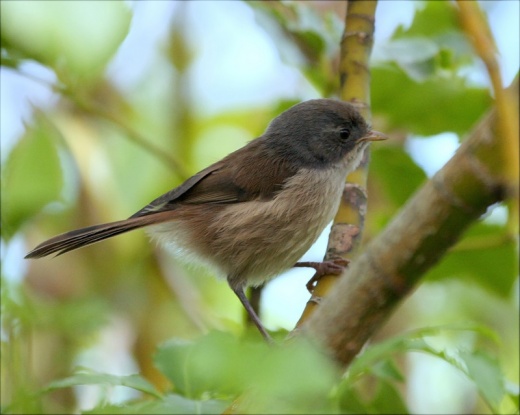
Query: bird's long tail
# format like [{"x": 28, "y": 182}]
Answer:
[{"x": 86, "y": 236}]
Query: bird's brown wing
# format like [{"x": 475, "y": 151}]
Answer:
[{"x": 250, "y": 175}]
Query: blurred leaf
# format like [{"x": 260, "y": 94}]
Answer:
[
  {"x": 298, "y": 23},
  {"x": 304, "y": 39},
  {"x": 75, "y": 318},
  {"x": 17, "y": 309},
  {"x": 387, "y": 369},
  {"x": 170, "y": 404},
  {"x": 428, "y": 48},
  {"x": 479, "y": 367},
  {"x": 410, "y": 341},
  {"x": 349, "y": 400},
  {"x": 74, "y": 38},
  {"x": 431, "y": 107},
  {"x": 438, "y": 21},
  {"x": 485, "y": 372},
  {"x": 32, "y": 176},
  {"x": 213, "y": 363},
  {"x": 387, "y": 400},
  {"x": 416, "y": 56},
  {"x": 431, "y": 18},
  {"x": 292, "y": 378},
  {"x": 89, "y": 377},
  {"x": 399, "y": 175},
  {"x": 513, "y": 392},
  {"x": 477, "y": 256}
]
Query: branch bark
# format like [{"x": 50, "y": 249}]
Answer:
[
  {"x": 345, "y": 234},
  {"x": 393, "y": 263}
]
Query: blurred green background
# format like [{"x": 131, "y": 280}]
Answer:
[{"x": 106, "y": 105}]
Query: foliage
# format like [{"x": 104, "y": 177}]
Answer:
[{"x": 97, "y": 148}]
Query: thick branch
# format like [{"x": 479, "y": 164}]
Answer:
[{"x": 392, "y": 264}]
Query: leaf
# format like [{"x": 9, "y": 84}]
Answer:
[
  {"x": 410, "y": 341},
  {"x": 349, "y": 400},
  {"x": 479, "y": 367},
  {"x": 293, "y": 378},
  {"x": 77, "y": 38},
  {"x": 431, "y": 45},
  {"x": 399, "y": 175},
  {"x": 32, "y": 175},
  {"x": 387, "y": 369},
  {"x": 485, "y": 372},
  {"x": 513, "y": 392},
  {"x": 431, "y": 18},
  {"x": 437, "y": 21},
  {"x": 170, "y": 404},
  {"x": 213, "y": 363},
  {"x": 387, "y": 400},
  {"x": 304, "y": 39},
  {"x": 436, "y": 105},
  {"x": 136, "y": 382},
  {"x": 485, "y": 255},
  {"x": 416, "y": 56}
]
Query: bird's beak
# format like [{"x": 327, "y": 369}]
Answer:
[{"x": 374, "y": 136}]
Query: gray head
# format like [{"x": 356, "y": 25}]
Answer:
[{"x": 319, "y": 132}]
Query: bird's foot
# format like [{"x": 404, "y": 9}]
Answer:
[{"x": 331, "y": 267}]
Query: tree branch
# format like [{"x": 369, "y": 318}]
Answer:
[
  {"x": 474, "y": 23},
  {"x": 345, "y": 235},
  {"x": 393, "y": 263}
]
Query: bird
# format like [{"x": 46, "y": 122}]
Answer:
[{"x": 253, "y": 214}]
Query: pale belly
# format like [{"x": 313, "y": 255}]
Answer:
[{"x": 252, "y": 242}]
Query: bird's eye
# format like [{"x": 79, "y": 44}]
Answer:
[{"x": 344, "y": 133}]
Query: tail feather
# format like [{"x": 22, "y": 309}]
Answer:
[{"x": 86, "y": 236}]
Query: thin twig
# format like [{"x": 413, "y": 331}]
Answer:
[
  {"x": 475, "y": 25},
  {"x": 345, "y": 234},
  {"x": 168, "y": 160},
  {"x": 173, "y": 164}
]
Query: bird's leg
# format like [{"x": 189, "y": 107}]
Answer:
[
  {"x": 334, "y": 266},
  {"x": 239, "y": 291}
]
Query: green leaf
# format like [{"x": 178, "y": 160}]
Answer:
[
  {"x": 304, "y": 39},
  {"x": 431, "y": 18},
  {"x": 387, "y": 400},
  {"x": 513, "y": 392},
  {"x": 437, "y": 105},
  {"x": 294, "y": 377},
  {"x": 32, "y": 175},
  {"x": 480, "y": 368},
  {"x": 399, "y": 175},
  {"x": 72, "y": 37},
  {"x": 170, "y": 404},
  {"x": 89, "y": 377},
  {"x": 485, "y": 255},
  {"x": 485, "y": 372},
  {"x": 349, "y": 401},
  {"x": 77, "y": 318},
  {"x": 416, "y": 56},
  {"x": 438, "y": 21},
  {"x": 214, "y": 363},
  {"x": 387, "y": 369},
  {"x": 410, "y": 341}
]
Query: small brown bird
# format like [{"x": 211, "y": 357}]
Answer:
[{"x": 253, "y": 214}]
